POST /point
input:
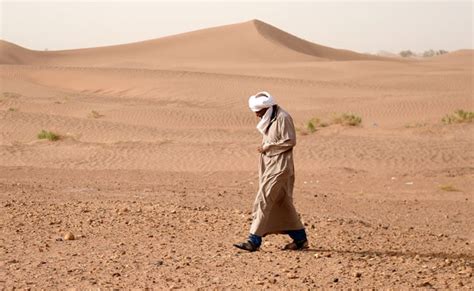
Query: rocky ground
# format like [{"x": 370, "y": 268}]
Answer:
[{"x": 109, "y": 229}]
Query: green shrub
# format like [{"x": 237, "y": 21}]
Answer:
[
  {"x": 348, "y": 119},
  {"x": 48, "y": 135},
  {"x": 312, "y": 125},
  {"x": 459, "y": 116}
]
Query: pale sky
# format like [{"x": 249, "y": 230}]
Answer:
[{"x": 361, "y": 26}]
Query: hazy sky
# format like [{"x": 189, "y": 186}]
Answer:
[{"x": 356, "y": 25}]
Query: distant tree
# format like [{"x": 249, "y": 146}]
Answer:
[
  {"x": 429, "y": 53},
  {"x": 407, "y": 53},
  {"x": 441, "y": 52}
]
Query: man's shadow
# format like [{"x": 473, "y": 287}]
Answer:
[{"x": 406, "y": 254}]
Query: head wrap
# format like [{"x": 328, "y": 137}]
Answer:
[{"x": 260, "y": 101}]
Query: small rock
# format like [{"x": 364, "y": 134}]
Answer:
[
  {"x": 69, "y": 236},
  {"x": 425, "y": 284},
  {"x": 267, "y": 244},
  {"x": 335, "y": 280}
]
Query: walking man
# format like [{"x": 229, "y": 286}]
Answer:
[{"x": 273, "y": 209}]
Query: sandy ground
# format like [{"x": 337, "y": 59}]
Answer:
[{"x": 156, "y": 169}]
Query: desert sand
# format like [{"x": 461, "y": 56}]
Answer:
[{"x": 156, "y": 168}]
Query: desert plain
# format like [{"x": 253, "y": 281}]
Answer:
[{"x": 155, "y": 170}]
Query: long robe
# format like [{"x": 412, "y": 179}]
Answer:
[{"x": 273, "y": 209}]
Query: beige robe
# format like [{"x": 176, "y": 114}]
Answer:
[{"x": 273, "y": 209}]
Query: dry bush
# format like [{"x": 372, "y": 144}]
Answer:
[
  {"x": 449, "y": 188},
  {"x": 49, "y": 135},
  {"x": 95, "y": 114},
  {"x": 459, "y": 116},
  {"x": 347, "y": 119}
]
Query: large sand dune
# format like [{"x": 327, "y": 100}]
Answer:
[
  {"x": 157, "y": 166},
  {"x": 249, "y": 42}
]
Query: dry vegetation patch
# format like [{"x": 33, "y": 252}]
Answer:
[
  {"x": 348, "y": 119},
  {"x": 459, "y": 116},
  {"x": 95, "y": 114},
  {"x": 49, "y": 135},
  {"x": 11, "y": 95},
  {"x": 449, "y": 188},
  {"x": 344, "y": 119}
]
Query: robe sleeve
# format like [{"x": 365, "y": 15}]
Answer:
[{"x": 286, "y": 138}]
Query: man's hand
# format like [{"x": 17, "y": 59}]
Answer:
[{"x": 260, "y": 149}]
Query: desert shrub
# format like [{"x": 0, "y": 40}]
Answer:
[
  {"x": 449, "y": 188},
  {"x": 48, "y": 135},
  {"x": 415, "y": 125},
  {"x": 95, "y": 114},
  {"x": 11, "y": 109},
  {"x": 347, "y": 119},
  {"x": 459, "y": 116},
  {"x": 407, "y": 53},
  {"x": 10, "y": 95},
  {"x": 312, "y": 125}
]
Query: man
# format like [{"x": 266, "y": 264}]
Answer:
[{"x": 273, "y": 209}]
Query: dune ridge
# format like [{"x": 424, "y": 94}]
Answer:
[{"x": 249, "y": 42}]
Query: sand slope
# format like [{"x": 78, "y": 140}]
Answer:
[
  {"x": 13, "y": 54},
  {"x": 248, "y": 42}
]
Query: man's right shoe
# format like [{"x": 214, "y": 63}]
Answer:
[
  {"x": 247, "y": 246},
  {"x": 297, "y": 245}
]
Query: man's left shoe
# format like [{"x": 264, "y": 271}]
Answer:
[
  {"x": 247, "y": 246},
  {"x": 297, "y": 245}
]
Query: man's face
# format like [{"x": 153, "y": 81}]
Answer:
[{"x": 261, "y": 112}]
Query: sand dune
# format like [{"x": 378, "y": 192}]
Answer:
[
  {"x": 248, "y": 42},
  {"x": 156, "y": 167},
  {"x": 13, "y": 54}
]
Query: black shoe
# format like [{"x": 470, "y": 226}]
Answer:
[
  {"x": 297, "y": 245},
  {"x": 247, "y": 246}
]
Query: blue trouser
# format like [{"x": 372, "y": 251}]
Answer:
[{"x": 296, "y": 235}]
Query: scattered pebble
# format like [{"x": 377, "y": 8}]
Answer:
[{"x": 69, "y": 236}]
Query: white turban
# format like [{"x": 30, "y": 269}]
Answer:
[{"x": 260, "y": 101}]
